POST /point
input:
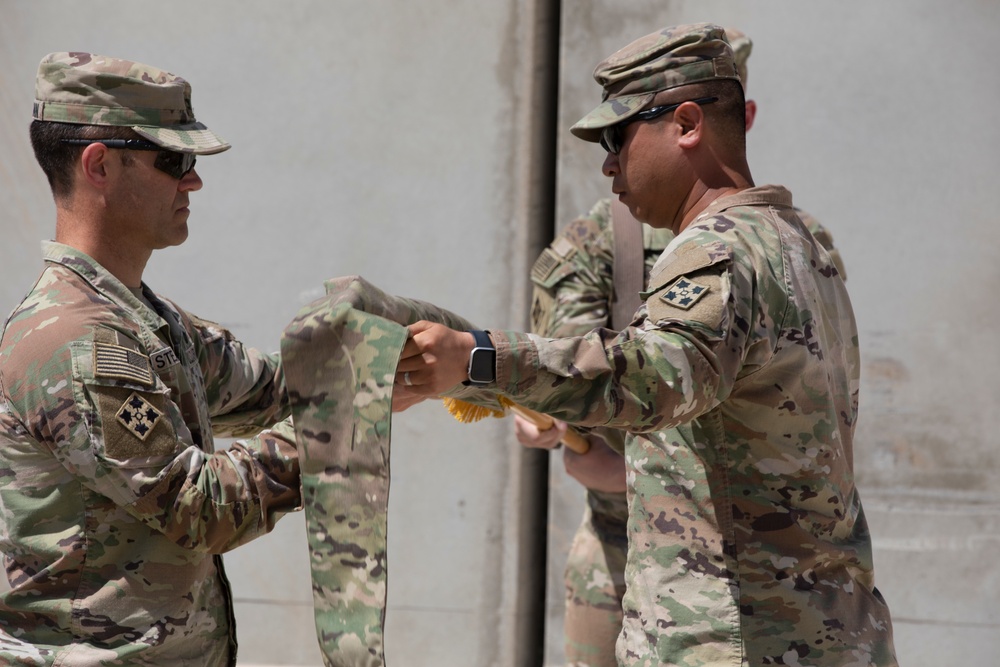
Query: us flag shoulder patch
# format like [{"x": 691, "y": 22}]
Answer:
[
  {"x": 119, "y": 362},
  {"x": 684, "y": 293},
  {"x": 545, "y": 265}
]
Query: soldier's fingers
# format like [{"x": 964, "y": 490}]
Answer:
[
  {"x": 402, "y": 399},
  {"x": 525, "y": 431},
  {"x": 417, "y": 340},
  {"x": 529, "y": 435},
  {"x": 416, "y": 383},
  {"x": 419, "y": 326},
  {"x": 404, "y": 377},
  {"x": 410, "y": 349}
]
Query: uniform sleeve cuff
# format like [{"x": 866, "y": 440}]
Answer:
[{"x": 517, "y": 361}]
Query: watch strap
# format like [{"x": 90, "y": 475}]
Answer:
[
  {"x": 482, "y": 338},
  {"x": 483, "y": 344}
]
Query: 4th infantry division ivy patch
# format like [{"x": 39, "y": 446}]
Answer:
[
  {"x": 139, "y": 416},
  {"x": 684, "y": 293}
]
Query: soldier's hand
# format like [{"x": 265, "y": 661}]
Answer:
[
  {"x": 403, "y": 399},
  {"x": 434, "y": 359},
  {"x": 529, "y": 435},
  {"x": 600, "y": 469}
]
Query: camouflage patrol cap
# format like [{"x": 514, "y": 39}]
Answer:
[
  {"x": 669, "y": 58},
  {"x": 89, "y": 89},
  {"x": 742, "y": 46}
]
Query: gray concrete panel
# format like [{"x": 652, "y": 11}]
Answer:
[
  {"x": 879, "y": 118},
  {"x": 380, "y": 138}
]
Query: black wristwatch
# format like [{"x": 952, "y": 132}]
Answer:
[{"x": 482, "y": 360}]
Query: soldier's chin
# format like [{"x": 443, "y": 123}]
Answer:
[
  {"x": 177, "y": 236},
  {"x": 653, "y": 221}
]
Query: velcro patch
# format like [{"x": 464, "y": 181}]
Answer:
[
  {"x": 138, "y": 416},
  {"x": 120, "y": 362},
  {"x": 545, "y": 265},
  {"x": 684, "y": 293},
  {"x": 563, "y": 247},
  {"x": 699, "y": 298}
]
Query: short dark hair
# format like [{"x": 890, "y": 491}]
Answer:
[
  {"x": 727, "y": 114},
  {"x": 57, "y": 158}
]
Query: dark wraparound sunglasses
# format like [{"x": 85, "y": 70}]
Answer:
[
  {"x": 613, "y": 135},
  {"x": 169, "y": 162}
]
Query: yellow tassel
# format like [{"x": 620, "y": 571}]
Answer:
[{"x": 467, "y": 413}]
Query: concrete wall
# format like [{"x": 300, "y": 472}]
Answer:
[
  {"x": 880, "y": 119},
  {"x": 383, "y": 138},
  {"x": 392, "y": 139}
]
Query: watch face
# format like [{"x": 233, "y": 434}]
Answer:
[{"x": 481, "y": 366}]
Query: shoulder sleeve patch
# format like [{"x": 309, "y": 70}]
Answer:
[
  {"x": 689, "y": 287},
  {"x": 115, "y": 361},
  {"x": 697, "y": 298},
  {"x": 138, "y": 416},
  {"x": 551, "y": 267},
  {"x": 681, "y": 261},
  {"x": 544, "y": 266},
  {"x": 684, "y": 292},
  {"x": 135, "y": 424}
]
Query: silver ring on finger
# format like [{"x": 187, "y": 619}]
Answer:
[{"x": 406, "y": 379}]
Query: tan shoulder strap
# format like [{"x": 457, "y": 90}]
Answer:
[{"x": 629, "y": 268}]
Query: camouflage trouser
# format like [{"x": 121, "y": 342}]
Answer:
[
  {"x": 595, "y": 582},
  {"x": 339, "y": 357}
]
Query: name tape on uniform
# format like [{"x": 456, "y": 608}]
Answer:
[{"x": 163, "y": 359}]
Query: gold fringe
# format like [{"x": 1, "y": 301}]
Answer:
[{"x": 467, "y": 413}]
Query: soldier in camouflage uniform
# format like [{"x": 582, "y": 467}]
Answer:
[
  {"x": 115, "y": 505},
  {"x": 737, "y": 382},
  {"x": 574, "y": 287},
  {"x": 573, "y": 293}
]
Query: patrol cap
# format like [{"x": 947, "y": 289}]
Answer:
[
  {"x": 88, "y": 89},
  {"x": 672, "y": 57},
  {"x": 742, "y": 46}
]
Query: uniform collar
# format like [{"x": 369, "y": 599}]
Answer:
[
  {"x": 764, "y": 195},
  {"x": 101, "y": 280}
]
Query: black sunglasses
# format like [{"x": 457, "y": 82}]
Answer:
[
  {"x": 612, "y": 136},
  {"x": 169, "y": 162}
]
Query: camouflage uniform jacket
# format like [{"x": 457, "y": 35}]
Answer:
[
  {"x": 738, "y": 383},
  {"x": 573, "y": 287},
  {"x": 113, "y": 507},
  {"x": 574, "y": 280}
]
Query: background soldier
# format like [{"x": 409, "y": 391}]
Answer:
[
  {"x": 115, "y": 505},
  {"x": 578, "y": 287},
  {"x": 747, "y": 540}
]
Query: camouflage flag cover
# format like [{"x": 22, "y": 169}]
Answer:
[
  {"x": 339, "y": 355},
  {"x": 341, "y": 410}
]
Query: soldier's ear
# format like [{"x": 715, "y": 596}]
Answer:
[
  {"x": 751, "y": 113},
  {"x": 691, "y": 119},
  {"x": 93, "y": 165}
]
